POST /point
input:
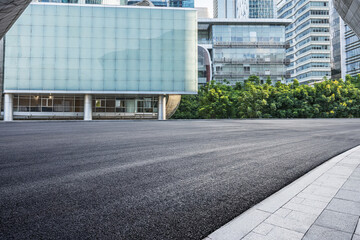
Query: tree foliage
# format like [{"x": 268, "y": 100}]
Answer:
[{"x": 328, "y": 99}]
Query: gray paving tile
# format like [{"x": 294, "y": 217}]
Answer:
[
  {"x": 284, "y": 234},
  {"x": 348, "y": 195},
  {"x": 358, "y": 228},
  {"x": 337, "y": 221},
  {"x": 322, "y": 233},
  {"x": 355, "y": 177},
  {"x": 263, "y": 228},
  {"x": 344, "y": 206},
  {"x": 351, "y": 160},
  {"x": 341, "y": 170},
  {"x": 315, "y": 203},
  {"x": 275, "y": 234},
  {"x": 296, "y": 221},
  {"x": 320, "y": 191},
  {"x": 297, "y": 200},
  {"x": 283, "y": 212},
  {"x": 356, "y": 237},
  {"x": 240, "y": 226},
  {"x": 356, "y": 174},
  {"x": 254, "y": 236},
  {"x": 314, "y": 197},
  {"x": 351, "y": 184},
  {"x": 303, "y": 208},
  {"x": 331, "y": 180}
]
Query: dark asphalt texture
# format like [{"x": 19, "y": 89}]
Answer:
[{"x": 150, "y": 179}]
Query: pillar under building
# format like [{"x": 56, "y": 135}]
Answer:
[
  {"x": 87, "y": 107},
  {"x": 162, "y": 108},
  {"x": 8, "y": 107}
]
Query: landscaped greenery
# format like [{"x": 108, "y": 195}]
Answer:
[{"x": 328, "y": 99}]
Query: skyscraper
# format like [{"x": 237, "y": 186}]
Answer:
[
  {"x": 244, "y": 9},
  {"x": 181, "y": 3},
  {"x": 168, "y": 3},
  {"x": 309, "y": 39},
  {"x": 225, "y": 9},
  {"x": 157, "y": 3}
]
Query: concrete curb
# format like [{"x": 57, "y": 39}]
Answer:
[{"x": 250, "y": 219}]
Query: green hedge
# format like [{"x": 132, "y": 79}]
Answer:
[{"x": 328, "y": 99}]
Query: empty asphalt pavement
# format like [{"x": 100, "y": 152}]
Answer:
[{"x": 149, "y": 179}]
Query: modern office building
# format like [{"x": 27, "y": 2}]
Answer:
[
  {"x": 240, "y": 48},
  {"x": 225, "y": 8},
  {"x": 309, "y": 39},
  {"x": 244, "y": 9},
  {"x": 352, "y": 52},
  {"x": 181, "y": 3},
  {"x": 256, "y": 9},
  {"x": 157, "y": 3},
  {"x": 349, "y": 11},
  {"x": 345, "y": 47},
  {"x": 95, "y": 61}
]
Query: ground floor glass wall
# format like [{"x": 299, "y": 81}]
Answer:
[{"x": 46, "y": 106}]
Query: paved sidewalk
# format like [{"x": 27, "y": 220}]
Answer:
[{"x": 324, "y": 204}]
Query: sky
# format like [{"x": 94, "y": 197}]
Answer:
[{"x": 205, "y": 3}]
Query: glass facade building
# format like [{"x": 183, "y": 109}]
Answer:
[
  {"x": 244, "y": 9},
  {"x": 105, "y": 51},
  {"x": 337, "y": 39},
  {"x": 260, "y": 8},
  {"x": 241, "y": 48},
  {"x": 345, "y": 47},
  {"x": 352, "y": 52},
  {"x": 225, "y": 8},
  {"x": 181, "y": 3},
  {"x": 309, "y": 39},
  {"x": 157, "y": 3}
]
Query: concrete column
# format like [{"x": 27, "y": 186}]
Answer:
[
  {"x": 162, "y": 108},
  {"x": 87, "y": 107},
  {"x": 8, "y": 107}
]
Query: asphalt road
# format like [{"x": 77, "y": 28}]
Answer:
[{"x": 149, "y": 179}]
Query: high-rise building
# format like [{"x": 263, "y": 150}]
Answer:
[
  {"x": 181, "y": 3},
  {"x": 244, "y": 9},
  {"x": 337, "y": 32},
  {"x": 309, "y": 38},
  {"x": 352, "y": 52},
  {"x": 345, "y": 47},
  {"x": 256, "y": 9},
  {"x": 168, "y": 3},
  {"x": 157, "y": 3},
  {"x": 225, "y": 8}
]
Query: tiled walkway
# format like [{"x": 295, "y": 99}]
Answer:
[{"x": 322, "y": 205}]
